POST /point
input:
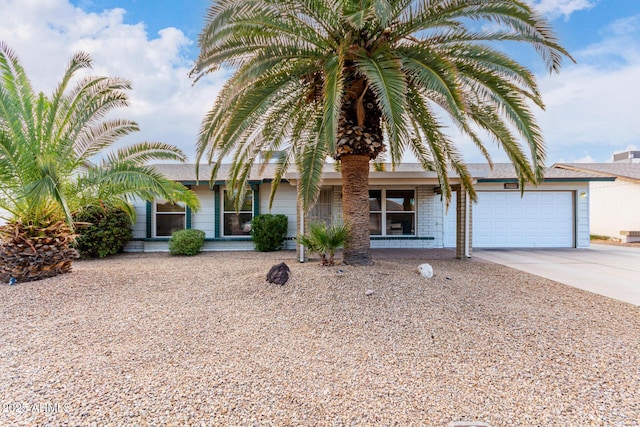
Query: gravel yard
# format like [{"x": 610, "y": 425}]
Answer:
[{"x": 149, "y": 339}]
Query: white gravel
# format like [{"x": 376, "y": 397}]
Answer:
[{"x": 149, "y": 339}]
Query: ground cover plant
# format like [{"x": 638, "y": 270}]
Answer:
[{"x": 325, "y": 240}]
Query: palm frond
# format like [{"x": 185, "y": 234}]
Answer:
[
  {"x": 46, "y": 144},
  {"x": 310, "y": 165}
]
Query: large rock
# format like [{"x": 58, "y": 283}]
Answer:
[
  {"x": 425, "y": 270},
  {"x": 278, "y": 274}
]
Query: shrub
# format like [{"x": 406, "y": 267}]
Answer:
[
  {"x": 269, "y": 231},
  {"x": 186, "y": 242},
  {"x": 106, "y": 232}
]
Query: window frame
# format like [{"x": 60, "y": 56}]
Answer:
[
  {"x": 157, "y": 213},
  {"x": 224, "y": 212},
  {"x": 384, "y": 212}
]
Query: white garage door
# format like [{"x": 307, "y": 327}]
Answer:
[
  {"x": 501, "y": 219},
  {"x": 538, "y": 219}
]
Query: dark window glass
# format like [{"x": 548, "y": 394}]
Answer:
[
  {"x": 237, "y": 223},
  {"x": 375, "y": 200},
  {"x": 170, "y": 217},
  {"x": 375, "y": 224},
  {"x": 400, "y": 200},
  {"x": 229, "y": 202},
  {"x": 164, "y": 206},
  {"x": 400, "y": 223},
  {"x": 392, "y": 212}
]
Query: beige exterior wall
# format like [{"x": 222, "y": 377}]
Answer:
[{"x": 614, "y": 206}]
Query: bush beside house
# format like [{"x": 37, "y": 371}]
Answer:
[
  {"x": 269, "y": 231},
  {"x": 102, "y": 231},
  {"x": 186, "y": 242}
]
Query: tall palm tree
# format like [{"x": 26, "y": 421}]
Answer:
[
  {"x": 48, "y": 169},
  {"x": 353, "y": 78}
]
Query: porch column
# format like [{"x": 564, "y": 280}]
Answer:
[
  {"x": 301, "y": 228},
  {"x": 463, "y": 224}
]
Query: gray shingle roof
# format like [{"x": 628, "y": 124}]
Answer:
[
  {"x": 630, "y": 171},
  {"x": 507, "y": 171},
  {"x": 187, "y": 172}
]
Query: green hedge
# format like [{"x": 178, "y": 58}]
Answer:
[{"x": 186, "y": 242}]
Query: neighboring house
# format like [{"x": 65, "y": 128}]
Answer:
[
  {"x": 614, "y": 206},
  {"x": 407, "y": 210}
]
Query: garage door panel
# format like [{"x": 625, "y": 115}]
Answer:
[{"x": 537, "y": 219}]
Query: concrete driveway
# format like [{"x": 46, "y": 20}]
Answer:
[{"x": 612, "y": 271}]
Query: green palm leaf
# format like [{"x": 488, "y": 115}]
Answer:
[{"x": 48, "y": 146}]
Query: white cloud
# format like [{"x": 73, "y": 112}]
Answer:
[
  {"x": 595, "y": 102},
  {"x": 555, "y": 8},
  {"x": 46, "y": 33},
  {"x": 592, "y": 107}
]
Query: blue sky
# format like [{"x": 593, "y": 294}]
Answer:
[{"x": 592, "y": 106}]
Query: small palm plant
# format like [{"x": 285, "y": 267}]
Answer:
[{"x": 325, "y": 240}]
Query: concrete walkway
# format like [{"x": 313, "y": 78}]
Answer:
[{"x": 612, "y": 271}]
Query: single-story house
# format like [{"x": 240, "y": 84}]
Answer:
[
  {"x": 614, "y": 206},
  {"x": 407, "y": 209}
]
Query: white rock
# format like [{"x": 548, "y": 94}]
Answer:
[
  {"x": 369, "y": 292},
  {"x": 425, "y": 270}
]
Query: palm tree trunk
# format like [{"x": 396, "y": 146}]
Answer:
[
  {"x": 30, "y": 253},
  {"x": 355, "y": 208}
]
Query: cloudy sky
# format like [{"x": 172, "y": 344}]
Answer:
[{"x": 593, "y": 106}]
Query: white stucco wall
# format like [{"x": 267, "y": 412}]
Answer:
[
  {"x": 430, "y": 216},
  {"x": 614, "y": 206},
  {"x": 285, "y": 203},
  {"x": 204, "y": 219},
  {"x": 140, "y": 226},
  {"x": 583, "y": 219}
]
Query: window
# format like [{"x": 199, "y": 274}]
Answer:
[
  {"x": 375, "y": 212},
  {"x": 392, "y": 212},
  {"x": 237, "y": 223},
  {"x": 170, "y": 217},
  {"x": 321, "y": 211}
]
